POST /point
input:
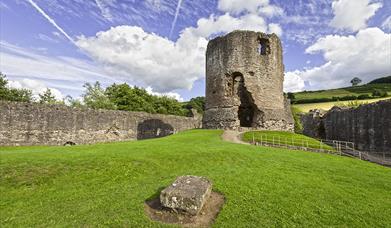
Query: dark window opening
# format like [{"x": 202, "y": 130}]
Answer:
[{"x": 264, "y": 46}]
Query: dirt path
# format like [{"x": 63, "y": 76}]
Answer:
[{"x": 232, "y": 136}]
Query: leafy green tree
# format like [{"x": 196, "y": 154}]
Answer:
[
  {"x": 167, "y": 105},
  {"x": 95, "y": 97},
  {"x": 197, "y": 103},
  {"x": 47, "y": 97},
  {"x": 130, "y": 98},
  {"x": 291, "y": 96},
  {"x": 12, "y": 94},
  {"x": 70, "y": 101},
  {"x": 355, "y": 81}
]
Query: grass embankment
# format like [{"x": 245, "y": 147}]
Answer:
[
  {"x": 342, "y": 92},
  {"x": 107, "y": 184},
  {"x": 284, "y": 138},
  {"x": 328, "y": 105}
]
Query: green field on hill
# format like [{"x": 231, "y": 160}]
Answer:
[
  {"x": 342, "y": 92},
  {"x": 354, "y": 90},
  {"x": 107, "y": 184},
  {"x": 328, "y": 105}
]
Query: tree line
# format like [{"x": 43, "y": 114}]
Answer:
[{"x": 113, "y": 97}]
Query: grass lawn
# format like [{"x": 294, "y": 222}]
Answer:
[
  {"x": 106, "y": 184},
  {"x": 355, "y": 90},
  {"x": 329, "y": 105},
  {"x": 281, "y": 137}
]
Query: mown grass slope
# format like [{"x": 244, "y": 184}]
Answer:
[
  {"x": 284, "y": 138},
  {"x": 107, "y": 184}
]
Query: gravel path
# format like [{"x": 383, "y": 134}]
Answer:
[{"x": 232, "y": 136}]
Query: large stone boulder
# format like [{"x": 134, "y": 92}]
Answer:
[{"x": 187, "y": 193}]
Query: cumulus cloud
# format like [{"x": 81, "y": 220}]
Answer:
[
  {"x": 366, "y": 55},
  {"x": 293, "y": 82},
  {"x": 353, "y": 14},
  {"x": 151, "y": 60},
  {"x": 37, "y": 87},
  {"x": 176, "y": 96},
  {"x": 146, "y": 58},
  {"x": 249, "y": 6}
]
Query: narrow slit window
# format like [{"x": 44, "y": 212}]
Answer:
[{"x": 263, "y": 46}]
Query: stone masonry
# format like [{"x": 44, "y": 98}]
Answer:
[
  {"x": 38, "y": 124},
  {"x": 187, "y": 193},
  {"x": 367, "y": 126},
  {"x": 244, "y": 83}
]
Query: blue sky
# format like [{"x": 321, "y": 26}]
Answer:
[{"x": 160, "y": 44}]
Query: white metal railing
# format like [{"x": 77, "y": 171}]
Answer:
[{"x": 325, "y": 146}]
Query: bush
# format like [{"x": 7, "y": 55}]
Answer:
[
  {"x": 296, "y": 117},
  {"x": 363, "y": 96},
  {"x": 379, "y": 93}
]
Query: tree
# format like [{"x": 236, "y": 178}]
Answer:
[
  {"x": 12, "y": 94},
  {"x": 130, "y": 98},
  {"x": 70, "y": 101},
  {"x": 197, "y": 103},
  {"x": 95, "y": 97},
  {"x": 355, "y": 81},
  {"x": 47, "y": 97},
  {"x": 291, "y": 96}
]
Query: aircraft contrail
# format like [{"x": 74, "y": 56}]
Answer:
[
  {"x": 51, "y": 21},
  {"x": 178, "y": 6}
]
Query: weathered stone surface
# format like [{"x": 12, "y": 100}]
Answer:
[
  {"x": 187, "y": 193},
  {"x": 38, "y": 124},
  {"x": 244, "y": 83},
  {"x": 368, "y": 126},
  {"x": 314, "y": 126}
]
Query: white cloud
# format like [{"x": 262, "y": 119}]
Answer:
[
  {"x": 293, "y": 82},
  {"x": 249, "y": 6},
  {"x": 386, "y": 23},
  {"x": 176, "y": 96},
  {"x": 366, "y": 55},
  {"x": 151, "y": 60},
  {"x": 353, "y": 14},
  {"x": 275, "y": 28},
  {"x": 37, "y": 87},
  {"x": 17, "y": 61},
  {"x": 103, "y": 6},
  {"x": 145, "y": 58}
]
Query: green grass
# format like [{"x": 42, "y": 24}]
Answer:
[
  {"x": 106, "y": 184},
  {"x": 281, "y": 137},
  {"x": 355, "y": 90},
  {"x": 328, "y": 105}
]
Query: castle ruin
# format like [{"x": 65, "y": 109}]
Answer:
[{"x": 244, "y": 83}]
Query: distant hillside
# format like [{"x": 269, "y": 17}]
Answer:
[
  {"x": 381, "y": 80},
  {"x": 377, "y": 88}
]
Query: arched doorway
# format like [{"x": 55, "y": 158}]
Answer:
[{"x": 246, "y": 107}]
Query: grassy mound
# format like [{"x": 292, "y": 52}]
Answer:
[
  {"x": 287, "y": 138},
  {"x": 107, "y": 184}
]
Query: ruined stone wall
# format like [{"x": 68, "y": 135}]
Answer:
[
  {"x": 244, "y": 83},
  {"x": 37, "y": 124},
  {"x": 368, "y": 126}
]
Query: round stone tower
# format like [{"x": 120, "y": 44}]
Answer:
[{"x": 244, "y": 83}]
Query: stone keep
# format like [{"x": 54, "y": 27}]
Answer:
[{"x": 244, "y": 83}]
